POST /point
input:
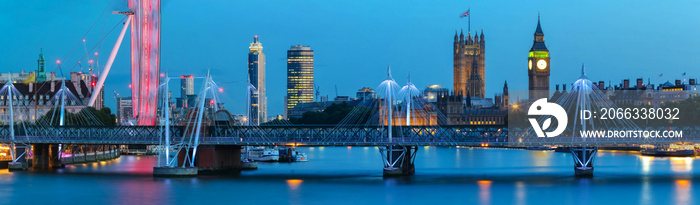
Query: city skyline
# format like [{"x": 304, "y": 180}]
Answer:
[
  {"x": 397, "y": 102},
  {"x": 417, "y": 42}
]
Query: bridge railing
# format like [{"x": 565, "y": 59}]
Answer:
[
  {"x": 242, "y": 135},
  {"x": 314, "y": 135},
  {"x": 355, "y": 134}
]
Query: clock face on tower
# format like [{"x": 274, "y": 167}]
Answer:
[
  {"x": 541, "y": 64},
  {"x": 529, "y": 64}
]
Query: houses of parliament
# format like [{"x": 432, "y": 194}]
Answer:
[
  {"x": 469, "y": 64},
  {"x": 467, "y": 104}
]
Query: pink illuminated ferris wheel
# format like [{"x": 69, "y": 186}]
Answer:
[{"x": 145, "y": 58}]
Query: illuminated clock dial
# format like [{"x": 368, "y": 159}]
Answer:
[
  {"x": 529, "y": 64},
  {"x": 541, "y": 64}
]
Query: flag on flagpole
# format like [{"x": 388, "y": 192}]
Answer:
[{"x": 465, "y": 14}]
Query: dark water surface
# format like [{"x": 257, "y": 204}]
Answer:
[{"x": 352, "y": 175}]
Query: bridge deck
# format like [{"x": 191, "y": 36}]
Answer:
[{"x": 305, "y": 135}]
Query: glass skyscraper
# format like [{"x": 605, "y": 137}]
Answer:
[
  {"x": 186, "y": 88},
  {"x": 256, "y": 75},
  {"x": 300, "y": 76}
]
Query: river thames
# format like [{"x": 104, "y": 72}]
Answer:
[{"x": 353, "y": 175}]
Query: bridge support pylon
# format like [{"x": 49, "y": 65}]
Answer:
[
  {"x": 174, "y": 171},
  {"x": 21, "y": 163},
  {"x": 177, "y": 167},
  {"x": 398, "y": 160},
  {"x": 218, "y": 159},
  {"x": 46, "y": 157},
  {"x": 583, "y": 160}
]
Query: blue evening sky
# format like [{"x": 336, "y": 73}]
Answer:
[{"x": 355, "y": 40}]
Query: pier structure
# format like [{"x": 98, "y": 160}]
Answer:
[
  {"x": 399, "y": 160},
  {"x": 583, "y": 160}
]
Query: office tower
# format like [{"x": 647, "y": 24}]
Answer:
[
  {"x": 186, "y": 85},
  {"x": 186, "y": 88},
  {"x": 124, "y": 110},
  {"x": 256, "y": 76},
  {"x": 300, "y": 76}
]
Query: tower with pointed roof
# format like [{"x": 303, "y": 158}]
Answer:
[
  {"x": 538, "y": 67},
  {"x": 41, "y": 68},
  {"x": 467, "y": 50},
  {"x": 506, "y": 98}
]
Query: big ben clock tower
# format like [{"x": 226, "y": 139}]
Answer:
[{"x": 538, "y": 66}]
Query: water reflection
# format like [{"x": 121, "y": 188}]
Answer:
[
  {"x": 646, "y": 196},
  {"x": 443, "y": 176},
  {"x": 520, "y": 194},
  {"x": 682, "y": 165},
  {"x": 683, "y": 191},
  {"x": 294, "y": 184},
  {"x": 484, "y": 191},
  {"x": 542, "y": 158},
  {"x": 646, "y": 164},
  {"x": 585, "y": 189},
  {"x": 458, "y": 161}
]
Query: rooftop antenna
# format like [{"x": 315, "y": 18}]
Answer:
[{"x": 336, "y": 91}]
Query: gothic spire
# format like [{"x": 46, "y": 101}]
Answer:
[
  {"x": 538, "y": 42},
  {"x": 41, "y": 53},
  {"x": 469, "y": 37},
  {"x": 539, "y": 27}
]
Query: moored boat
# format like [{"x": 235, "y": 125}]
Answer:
[
  {"x": 263, "y": 154},
  {"x": 539, "y": 148},
  {"x": 290, "y": 154},
  {"x": 668, "y": 150},
  {"x": 301, "y": 157}
]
